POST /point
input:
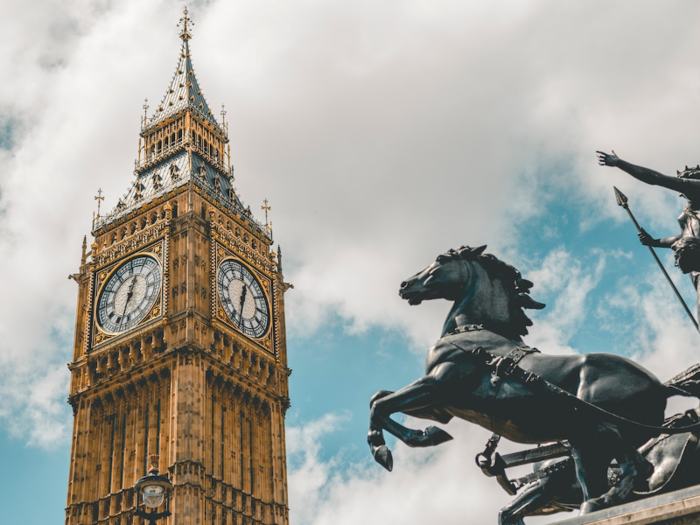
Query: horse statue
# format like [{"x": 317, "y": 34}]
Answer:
[{"x": 604, "y": 406}]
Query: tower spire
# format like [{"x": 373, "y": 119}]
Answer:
[
  {"x": 181, "y": 141},
  {"x": 184, "y": 91}
]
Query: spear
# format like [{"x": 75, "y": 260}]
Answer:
[{"x": 622, "y": 201}]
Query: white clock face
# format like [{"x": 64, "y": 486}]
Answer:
[
  {"x": 243, "y": 299},
  {"x": 129, "y": 294}
]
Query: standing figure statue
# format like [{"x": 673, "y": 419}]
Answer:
[{"x": 685, "y": 245}]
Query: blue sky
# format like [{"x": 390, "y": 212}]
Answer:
[{"x": 382, "y": 133}]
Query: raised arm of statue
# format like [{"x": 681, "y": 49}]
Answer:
[
  {"x": 648, "y": 240},
  {"x": 689, "y": 187}
]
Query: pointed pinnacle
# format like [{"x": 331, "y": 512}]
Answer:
[{"x": 620, "y": 197}]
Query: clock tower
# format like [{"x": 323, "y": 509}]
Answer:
[{"x": 180, "y": 344}]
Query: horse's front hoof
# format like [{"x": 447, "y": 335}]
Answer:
[
  {"x": 437, "y": 436},
  {"x": 429, "y": 437},
  {"x": 383, "y": 456}
]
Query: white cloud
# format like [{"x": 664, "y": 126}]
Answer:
[
  {"x": 564, "y": 277},
  {"x": 435, "y": 485},
  {"x": 382, "y": 134}
]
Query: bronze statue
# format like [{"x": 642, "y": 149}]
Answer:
[
  {"x": 604, "y": 406},
  {"x": 552, "y": 487},
  {"x": 685, "y": 245}
]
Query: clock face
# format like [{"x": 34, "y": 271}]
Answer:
[
  {"x": 129, "y": 294},
  {"x": 243, "y": 299}
]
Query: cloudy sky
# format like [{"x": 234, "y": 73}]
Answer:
[{"x": 382, "y": 133}]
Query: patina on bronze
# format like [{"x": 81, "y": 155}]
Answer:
[
  {"x": 604, "y": 406},
  {"x": 686, "y": 245}
]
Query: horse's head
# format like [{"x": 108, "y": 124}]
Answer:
[
  {"x": 485, "y": 290},
  {"x": 446, "y": 278}
]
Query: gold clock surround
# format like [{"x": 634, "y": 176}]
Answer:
[{"x": 103, "y": 275}]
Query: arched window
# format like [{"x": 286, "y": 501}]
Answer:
[
  {"x": 159, "y": 147},
  {"x": 175, "y": 210},
  {"x": 179, "y": 135}
]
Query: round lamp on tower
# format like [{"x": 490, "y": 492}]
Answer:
[{"x": 153, "y": 491}]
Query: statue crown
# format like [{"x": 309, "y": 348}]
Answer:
[{"x": 689, "y": 173}]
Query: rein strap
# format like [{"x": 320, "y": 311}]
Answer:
[{"x": 507, "y": 367}]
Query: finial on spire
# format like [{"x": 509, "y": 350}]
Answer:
[
  {"x": 186, "y": 24},
  {"x": 266, "y": 208},
  {"x": 145, "y": 115},
  {"x": 99, "y": 198},
  {"x": 223, "y": 114}
]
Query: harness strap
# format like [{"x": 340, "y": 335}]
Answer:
[{"x": 505, "y": 367}]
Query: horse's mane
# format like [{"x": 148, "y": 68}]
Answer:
[{"x": 517, "y": 288}]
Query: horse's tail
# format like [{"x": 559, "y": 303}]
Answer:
[{"x": 686, "y": 383}]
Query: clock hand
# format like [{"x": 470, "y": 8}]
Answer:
[
  {"x": 129, "y": 295},
  {"x": 240, "y": 309}
]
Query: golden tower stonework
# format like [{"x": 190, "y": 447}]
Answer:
[{"x": 180, "y": 343}]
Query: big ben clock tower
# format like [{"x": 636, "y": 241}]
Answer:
[{"x": 180, "y": 344}]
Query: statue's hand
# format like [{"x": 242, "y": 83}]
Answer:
[
  {"x": 605, "y": 159},
  {"x": 646, "y": 239}
]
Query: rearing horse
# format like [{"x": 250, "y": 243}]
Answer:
[{"x": 463, "y": 379}]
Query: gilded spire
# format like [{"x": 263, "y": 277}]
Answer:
[{"x": 184, "y": 91}]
